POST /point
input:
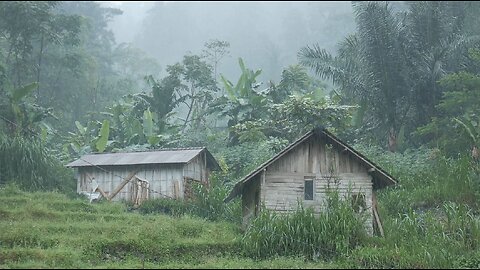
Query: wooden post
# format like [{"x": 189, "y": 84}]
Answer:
[
  {"x": 103, "y": 193},
  {"x": 205, "y": 170},
  {"x": 262, "y": 184},
  {"x": 176, "y": 191},
  {"x": 125, "y": 181},
  {"x": 376, "y": 216}
]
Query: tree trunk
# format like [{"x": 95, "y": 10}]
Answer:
[
  {"x": 392, "y": 140},
  {"x": 192, "y": 101},
  {"x": 39, "y": 69},
  {"x": 475, "y": 152}
]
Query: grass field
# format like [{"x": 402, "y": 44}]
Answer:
[{"x": 49, "y": 230}]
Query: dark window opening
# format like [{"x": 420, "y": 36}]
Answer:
[{"x": 308, "y": 192}]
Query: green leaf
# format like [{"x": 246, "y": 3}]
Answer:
[
  {"x": 242, "y": 65},
  {"x": 19, "y": 93},
  {"x": 154, "y": 140},
  {"x": 469, "y": 128},
  {"x": 357, "y": 119},
  {"x": 44, "y": 134},
  {"x": 148, "y": 123},
  {"x": 228, "y": 87},
  {"x": 103, "y": 136},
  {"x": 75, "y": 146},
  {"x": 80, "y": 128},
  {"x": 255, "y": 75}
]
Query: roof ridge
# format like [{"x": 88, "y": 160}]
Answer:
[
  {"x": 157, "y": 156},
  {"x": 150, "y": 150}
]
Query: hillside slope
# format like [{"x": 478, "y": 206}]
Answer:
[{"x": 49, "y": 230}]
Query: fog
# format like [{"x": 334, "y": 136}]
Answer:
[{"x": 267, "y": 35}]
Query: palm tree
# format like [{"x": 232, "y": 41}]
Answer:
[
  {"x": 369, "y": 68},
  {"x": 392, "y": 65}
]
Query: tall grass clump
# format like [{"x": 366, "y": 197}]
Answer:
[
  {"x": 208, "y": 199},
  {"x": 444, "y": 180},
  {"x": 29, "y": 164},
  {"x": 337, "y": 230},
  {"x": 445, "y": 237},
  {"x": 426, "y": 179},
  {"x": 430, "y": 217}
]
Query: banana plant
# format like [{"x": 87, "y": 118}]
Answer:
[
  {"x": 244, "y": 87},
  {"x": 472, "y": 128},
  {"x": 149, "y": 128},
  {"x": 84, "y": 140},
  {"x": 24, "y": 115},
  {"x": 242, "y": 103}
]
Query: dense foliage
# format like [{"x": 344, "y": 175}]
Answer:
[
  {"x": 405, "y": 93},
  {"x": 392, "y": 65}
]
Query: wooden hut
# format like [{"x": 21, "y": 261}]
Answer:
[
  {"x": 138, "y": 176},
  {"x": 304, "y": 170}
]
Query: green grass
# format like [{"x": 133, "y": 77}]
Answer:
[
  {"x": 431, "y": 218},
  {"x": 334, "y": 232},
  {"x": 50, "y": 230}
]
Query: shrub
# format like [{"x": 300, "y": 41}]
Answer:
[
  {"x": 165, "y": 206},
  {"x": 28, "y": 164},
  {"x": 208, "y": 200},
  {"x": 336, "y": 230}
]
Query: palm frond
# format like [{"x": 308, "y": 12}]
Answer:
[{"x": 322, "y": 62}]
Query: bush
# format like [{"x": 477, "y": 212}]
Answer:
[
  {"x": 208, "y": 200},
  {"x": 28, "y": 164},
  {"x": 435, "y": 238},
  {"x": 426, "y": 179},
  {"x": 468, "y": 261},
  {"x": 337, "y": 230},
  {"x": 165, "y": 206}
]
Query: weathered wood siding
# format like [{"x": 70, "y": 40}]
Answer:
[
  {"x": 250, "y": 201},
  {"x": 313, "y": 159},
  {"x": 163, "y": 179},
  {"x": 197, "y": 168},
  {"x": 313, "y": 156}
]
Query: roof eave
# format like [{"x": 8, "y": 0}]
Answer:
[{"x": 234, "y": 193}]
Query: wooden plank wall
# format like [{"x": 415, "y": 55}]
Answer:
[
  {"x": 161, "y": 178},
  {"x": 313, "y": 156},
  {"x": 284, "y": 180},
  {"x": 197, "y": 169},
  {"x": 248, "y": 200}
]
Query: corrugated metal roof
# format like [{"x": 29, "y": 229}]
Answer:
[{"x": 170, "y": 156}]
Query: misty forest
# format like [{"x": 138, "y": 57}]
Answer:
[{"x": 397, "y": 81}]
